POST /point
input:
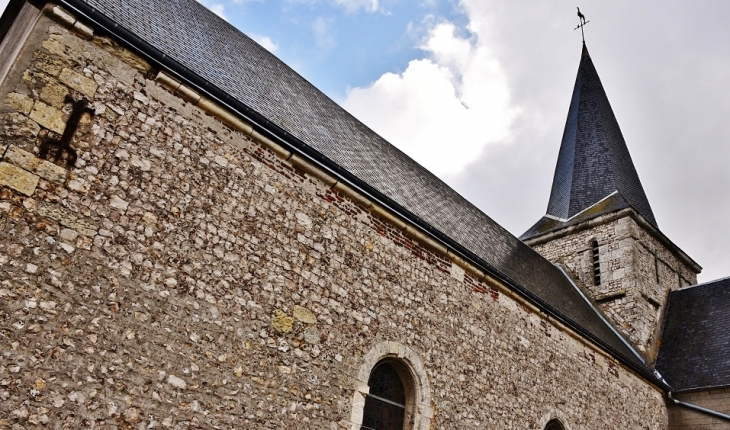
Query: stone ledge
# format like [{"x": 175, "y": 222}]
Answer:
[
  {"x": 68, "y": 20},
  {"x": 613, "y": 295}
]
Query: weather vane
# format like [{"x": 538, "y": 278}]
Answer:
[{"x": 582, "y": 24}]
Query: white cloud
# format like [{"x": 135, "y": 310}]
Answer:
[
  {"x": 353, "y": 5},
  {"x": 350, "y": 6},
  {"x": 443, "y": 110},
  {"x": 323, "y": 36},
  {"x": 215, "y": 7},
  {"x": 266, "y": 42}
]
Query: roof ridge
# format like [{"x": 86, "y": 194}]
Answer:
[{"x": 702, "y": 284}]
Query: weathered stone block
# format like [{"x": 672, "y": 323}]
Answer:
[
  {"x": 282, "y": 322},
  {"x": 44, "y": 169},
  {"x": 18, "y": 179},
  {"x": 17, "y": 127},
  {"x": 19, "y": 102},
  {"x": 54, "y": 94},
  {"x": 48, "y": 117},
  {"x": 78, "y": 82},
  {"x": 51, "y": 64},
  {"x": 304, "y": 315}
]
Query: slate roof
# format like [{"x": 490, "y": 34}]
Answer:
[
  {"x": 593, "y": 161},
  {"x": 695, "y": 349},
  {"x": 214, "y": 50}
]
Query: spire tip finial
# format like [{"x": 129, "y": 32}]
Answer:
[{"x": 583, "y": 22}]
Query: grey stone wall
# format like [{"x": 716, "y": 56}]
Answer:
[
  {"x": 637, "y": 274},
  {"x": 181, "y": 275}
]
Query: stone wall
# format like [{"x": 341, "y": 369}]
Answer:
[
  {"x": 683, "y": 418},
  {"x": 181, "y": 275},
  {"x": 637, "y": 274}
]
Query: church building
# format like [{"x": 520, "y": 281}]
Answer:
[{"x": 193, "y": 236}]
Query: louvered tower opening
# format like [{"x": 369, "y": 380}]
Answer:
[{"x": 596, "y": 264}]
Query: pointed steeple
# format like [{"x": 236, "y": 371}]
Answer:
[
  {"x": 594, "y": 161},
  {"x": 599, "y": 226}
]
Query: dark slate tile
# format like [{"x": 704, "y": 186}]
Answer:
[
  {"x": 695, "y": 349},
  {"x": 594, "y": 160}
]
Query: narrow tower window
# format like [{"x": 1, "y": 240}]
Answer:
[
  {"x": 596, "y": 264},
  {"x": 385, "y": 404}
]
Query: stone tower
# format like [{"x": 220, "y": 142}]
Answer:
[{"x": 599, "y": 225}]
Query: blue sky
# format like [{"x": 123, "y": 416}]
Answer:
[{"x": 360, "y": 39}]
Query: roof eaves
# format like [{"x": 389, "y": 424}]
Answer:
[{"x": 571, "y": 228}]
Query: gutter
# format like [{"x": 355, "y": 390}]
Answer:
[
  {"x": 271, "y": 131},
  {"x": 700, "y": 409}
]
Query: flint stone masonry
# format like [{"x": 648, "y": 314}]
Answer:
[{"x": 230, "y": 289}]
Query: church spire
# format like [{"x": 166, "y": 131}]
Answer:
[{"x": 594, "y": 162}]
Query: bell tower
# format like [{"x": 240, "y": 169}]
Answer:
[{"x": 599, "y": 225}]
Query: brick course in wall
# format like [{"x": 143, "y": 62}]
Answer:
[{"x": 182, "y": 275}]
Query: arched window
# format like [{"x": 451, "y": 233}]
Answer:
[
  {"x": 596, "y": 264},
  {"x": 386, "y": 403},
  {"x": 554, "y": 425},
  {"x": 391, "y": 390}
]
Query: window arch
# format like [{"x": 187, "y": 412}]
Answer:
[
  {"x": 554, "y": 424},
  {"x": 391, "y": 390},
  {"x": 387, "y": 402},
  {"x": 554, "y": 419}
]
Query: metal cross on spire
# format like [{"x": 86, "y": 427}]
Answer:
[{"x": 582, "y": 24}]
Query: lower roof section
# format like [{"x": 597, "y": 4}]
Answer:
[{"x": 695, "y": 349}]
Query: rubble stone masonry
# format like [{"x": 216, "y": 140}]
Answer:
[
  {"x": 637, "y": 273},
  {"x": 182, "y": 275}
]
